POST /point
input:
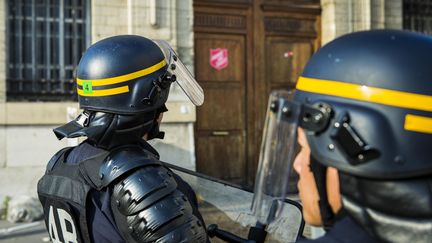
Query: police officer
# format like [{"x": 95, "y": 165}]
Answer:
[
  {"x": 112, "y": 187},
  {"x": 362, "y": 112}
]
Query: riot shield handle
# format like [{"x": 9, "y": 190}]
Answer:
[
  {"x": 257, "y": 234},
  {"x": 214, "y": 231}
]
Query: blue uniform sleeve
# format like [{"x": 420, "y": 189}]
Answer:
[{"x": 103, "y": 228}]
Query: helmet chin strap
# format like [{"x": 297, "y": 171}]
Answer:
[
  {"x": 320, "y": 173},
  {"x": 154, "y": 131},
  {"x": 107, "y": 130}
]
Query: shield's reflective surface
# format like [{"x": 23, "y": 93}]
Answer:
[{"x": 229, "y": 208}]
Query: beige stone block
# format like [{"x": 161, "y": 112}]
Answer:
[
  {"x": 54, "y": 113},
  {"x": 31, "y": 145},
  {"x": 112, "y": 13},
  {"x": 2, "y": 81},
  {"x": 20, "y": 180},
  {"x": 2, "y": 147},
  {"x": 2, "y": 112},
  {"x": 106, "y": 32},
  {"x": 20, "y": 113},
  {"x": 180, "y": 112}
]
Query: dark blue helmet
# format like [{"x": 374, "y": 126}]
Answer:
[
  {"x": 123, "y": 83},
  {"x": 124, "y": 75},
  {"x": 378, "y": 85}
]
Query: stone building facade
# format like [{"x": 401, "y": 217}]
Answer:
[
  {"x": 344, "y": 16},
  {"x": 26, "y": 139}
]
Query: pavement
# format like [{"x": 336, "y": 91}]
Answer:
[{"x": 34, "y": 232}]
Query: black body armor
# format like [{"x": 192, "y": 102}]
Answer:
[{"x": 146, "y": 201}]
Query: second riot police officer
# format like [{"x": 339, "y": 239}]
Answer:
[{"x": 362, "y": 117}]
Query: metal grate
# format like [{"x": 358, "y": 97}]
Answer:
[
  {"x": 46, "y": 38},
  {"x": 417, "y": 15}
]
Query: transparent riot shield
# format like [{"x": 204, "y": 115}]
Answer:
[{"x": 228, "y": 207}]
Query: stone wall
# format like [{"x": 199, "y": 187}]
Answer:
[
  {"x": 26, "y": 141},
  {"x": 26, "y": 138},
  {"x": 344, "y": 16},
  {"x": 2, "y": 83}
]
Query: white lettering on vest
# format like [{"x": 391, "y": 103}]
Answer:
[
  {"x": 52, "y": 227},
  {"x": 64, "y": 217}
]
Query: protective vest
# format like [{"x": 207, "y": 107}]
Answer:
[
  {"x": 148, "y": 203},
  {"x": 63, "y": 192}
]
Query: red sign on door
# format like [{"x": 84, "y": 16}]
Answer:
[{"x": 219, "y": 58}]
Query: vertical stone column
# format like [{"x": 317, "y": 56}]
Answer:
[
  {"x": 344, "y": 16},
  {"x": 3, "y": 51},
  {"x": 378, "y": 16},
  {"x": 328, "y": 22},
  {"x": 3, "y": 83},
  {"x": 336, "y": 19},
  {"x": 393, "y": 14},
  {"x": 361, "y": 12},
  {"x": 184, "y": 20}
]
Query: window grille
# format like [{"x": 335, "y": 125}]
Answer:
[
  {"x": 417, "y": 15},
  {"x": 45, "y": 39}
]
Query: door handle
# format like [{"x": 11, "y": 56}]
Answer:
[{"x": 220, "y": 133}]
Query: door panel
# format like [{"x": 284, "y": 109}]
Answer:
[
  {"x": 234, "y": 72},
  {"x": 223, "y": 108},
  {"x": 221, "y": 155},
  {"x": 286, "y": 58},
  {"x": 221, "y": 124}
]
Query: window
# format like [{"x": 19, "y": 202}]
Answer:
[
  {"x": 45, "y": 39},
  {"x": 417, "y": 15}
]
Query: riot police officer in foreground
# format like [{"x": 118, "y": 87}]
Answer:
[
  {"x": 362, "y": 111},
  {"x": 112, "y": 187}
]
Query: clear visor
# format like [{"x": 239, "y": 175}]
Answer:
[
  {"x": 183, "y": 77},
  {"x": 278, "y": 149}
]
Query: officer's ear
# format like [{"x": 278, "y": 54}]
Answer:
[{"x": 333, "y": 189}]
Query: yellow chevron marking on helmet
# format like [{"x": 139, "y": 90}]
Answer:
[
  {"x": 366, "y": 93},
  {"x": 126, "y": 77},
  {"x": 104, "y": 92},
  {"x": 418, "y": 123}
]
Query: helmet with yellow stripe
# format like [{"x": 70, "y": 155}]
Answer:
[
  {"x": 364, "y": 102},
  {"x": 376, "y": 88},
  {"x": 117, "y": 73},
  {"x": 123, "y": 83},
  {"x": 131, "y": 74},
  {"x": 378, "y": 85}
]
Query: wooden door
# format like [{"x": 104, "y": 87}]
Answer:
[
  {"x": 286, "y": 34},
  {"x": 268, "y": 43},
  {"x": 221, "y": 127}
]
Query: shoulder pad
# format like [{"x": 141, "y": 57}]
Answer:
[
  {"x": 142, "y": 188},
  {"x": 153, "y": 210},
  {"x": 123, "y": 160},
  {"x": 56, "y": 157}
]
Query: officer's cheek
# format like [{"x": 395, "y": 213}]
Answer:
[
  {"x": 333, "y": 190},
  {"x": 308, "y": 191}
]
